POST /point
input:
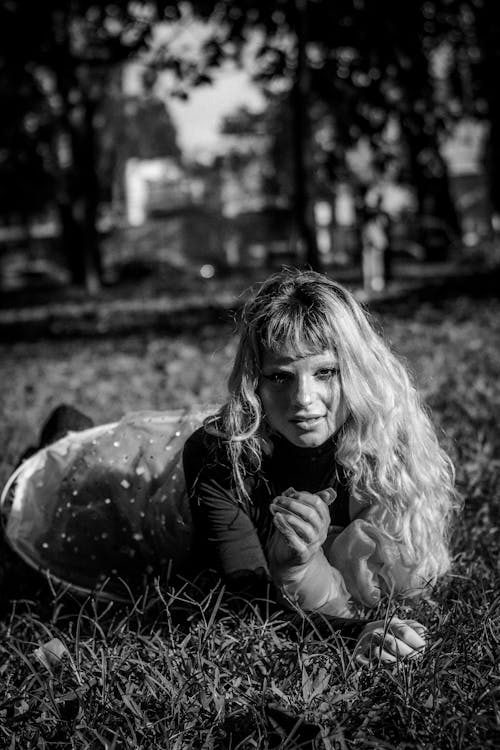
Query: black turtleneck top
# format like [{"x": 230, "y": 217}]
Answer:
[{"x": 234, "y": 535}]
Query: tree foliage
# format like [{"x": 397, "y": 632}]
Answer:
[
  {"x": 66, "y": 55},
  {"x": 367, "y": 64},
  {"x": 345, "y": 69},
  {"x": 351, "y": 68}
]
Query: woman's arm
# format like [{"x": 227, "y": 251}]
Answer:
[
  {"x": 226, "y": 536},
  {"x": 316, "y": 586},
  {"x": 229, "y": 542},
  {"x": 234, "y": 549},
  {"x": 297, "y": 561},
  {"x": 300, "y": 568},
  {"x": 371, "y": 559}
]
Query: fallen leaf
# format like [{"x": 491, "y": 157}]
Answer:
[{"x": 51, "y": 653}]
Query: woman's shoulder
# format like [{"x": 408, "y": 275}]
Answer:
[{"x": 204, "y": 447}]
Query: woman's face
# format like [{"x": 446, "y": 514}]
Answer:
[{"x": 302, "y": 396}]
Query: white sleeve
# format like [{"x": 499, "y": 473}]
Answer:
[
  {"x": 315, "y": 586},
  {"x": 369, "y": 561}
]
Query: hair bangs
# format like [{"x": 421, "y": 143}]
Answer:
[{"x": 296, "y": 328}]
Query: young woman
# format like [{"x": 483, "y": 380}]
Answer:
[
  {"x": 321, "y": 475},
  {"x": 322, "y": 471}
]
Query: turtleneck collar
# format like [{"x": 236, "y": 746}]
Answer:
[{"x": 284, "y": 446}]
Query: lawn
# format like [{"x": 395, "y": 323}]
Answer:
[{"x": 185, "y": 670}]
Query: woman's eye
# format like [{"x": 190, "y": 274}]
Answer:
[
  {"x": 327, "y": 373},
  {"x": 278, "y": 378}
]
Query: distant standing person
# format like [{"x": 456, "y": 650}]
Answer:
[
  {"x": 376, "y": 250},
  {"x": 321, "y": 476}
]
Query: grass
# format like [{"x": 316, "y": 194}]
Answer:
[{"x": 188, "y": 669}]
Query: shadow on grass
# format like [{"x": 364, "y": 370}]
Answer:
[
  {"x": 119, "y": 314},
  {"x": 483, "y": 284}
]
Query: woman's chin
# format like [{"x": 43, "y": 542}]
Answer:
[
  {"x": 309, "y": 439},
  {"x": 310, "y": 442}
]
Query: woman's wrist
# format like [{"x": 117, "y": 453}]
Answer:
[
  {"x": 314, "y": 585},
  {"x": 286, "y": 571}
]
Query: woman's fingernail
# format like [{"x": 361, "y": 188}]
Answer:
[
  {"x": 331, "y": 496},
  {"x": 280, "y": 522}
]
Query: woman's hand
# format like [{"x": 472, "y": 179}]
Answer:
[
  {"x": 388, "y": 642},
  {"x": 301, "y": 520}
]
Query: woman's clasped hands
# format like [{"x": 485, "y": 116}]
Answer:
[{"x": 302, "y": 520}]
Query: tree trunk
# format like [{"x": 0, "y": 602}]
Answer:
[
  {"x": 303, "y": 212},
  {"x": 432, "y": 186},
  {"x": 86, "y": 269},
  {"x": 78, "y": 182},
  {"x": 78, "y": 213},
  {"x": 71, "y": 243},
  {"x": 90, "y": 197},
  {"x": 489, "y": 38}
]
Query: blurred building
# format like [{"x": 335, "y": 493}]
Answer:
[
  {"x": 256, "y": 215},
  {"x": 153, "y": 184},
  {"x": 169, "y": 207}
]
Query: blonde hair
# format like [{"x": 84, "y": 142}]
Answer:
[{"x": 387, "y": 446}]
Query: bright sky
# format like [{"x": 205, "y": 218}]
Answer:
[{"x": 199, "y": 117}]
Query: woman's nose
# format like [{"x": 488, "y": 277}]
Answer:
[{"x": 303, "y": 393}]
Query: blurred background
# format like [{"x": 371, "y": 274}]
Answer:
[{"x": 176, "y": 151}]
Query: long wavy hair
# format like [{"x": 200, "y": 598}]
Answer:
[{"x": 387, "y": 446}]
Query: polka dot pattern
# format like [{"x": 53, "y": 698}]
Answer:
[{"x": 107, "y": 503}]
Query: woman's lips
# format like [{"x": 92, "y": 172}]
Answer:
[{"x": 306, "y": 423}]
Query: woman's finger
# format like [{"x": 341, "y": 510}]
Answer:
[
  {"x": 310, "y": 508},
  {"x": 308, "y": 533},
  {"x": 316, "y": 499},
  {"x": 420, "y": 629},
  {"x": 292, "y": 538},
  {"x": 375, "y": 655},
  {"x": 382, "y": 656},
  {"x": 305, "y": 514},
  {"x": 408, "y": 635},
  {"x": 328, "y": 495},
  {"x": 396, "y": 646},
  {"x": 361, "y": 659}
]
